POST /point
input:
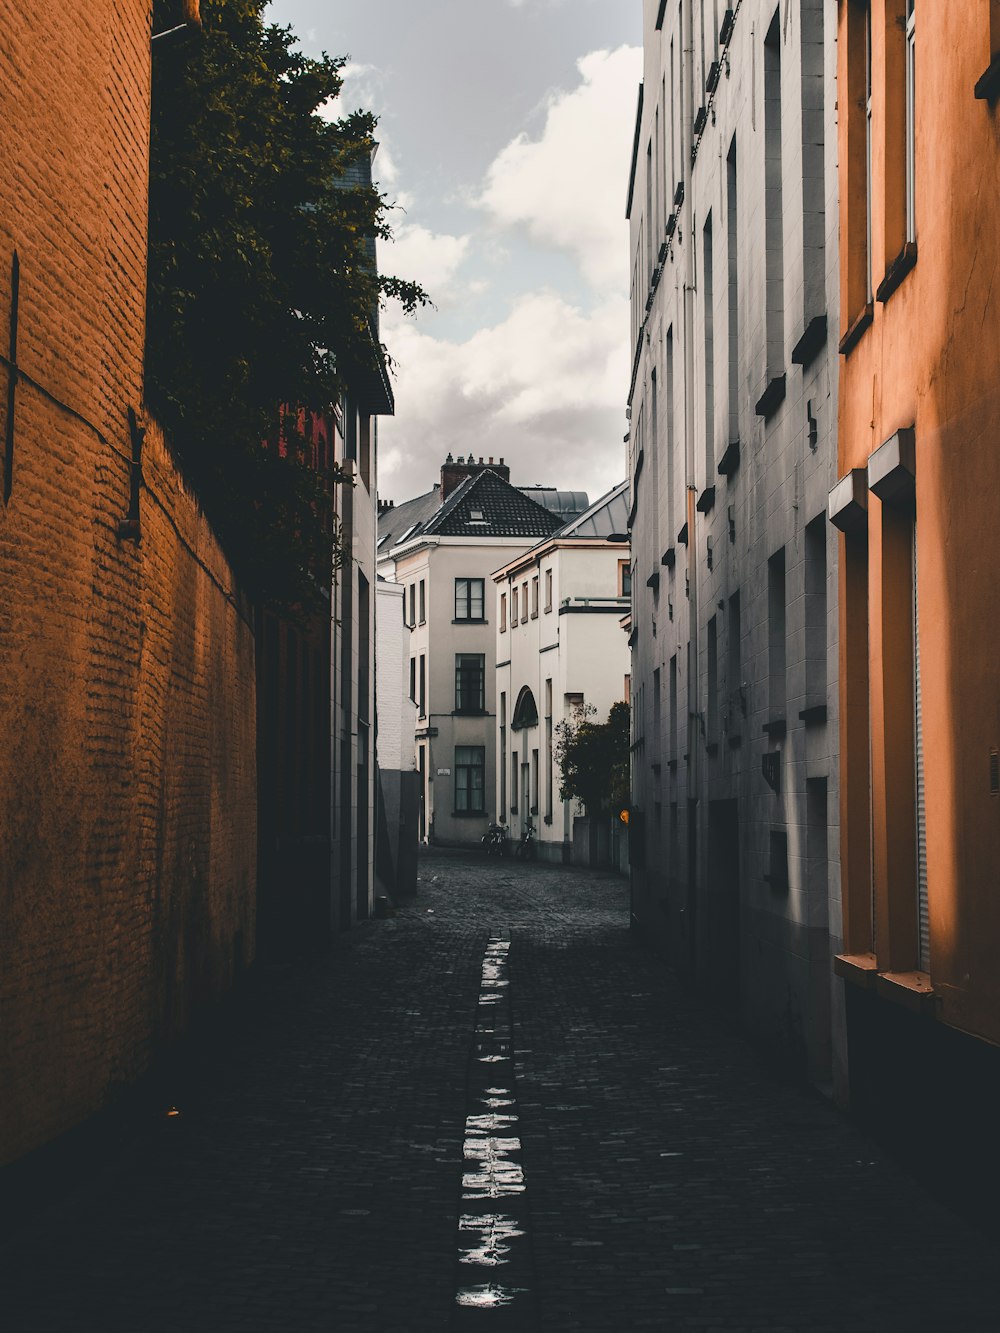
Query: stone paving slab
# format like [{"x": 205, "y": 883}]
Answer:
[{"x": 313, "y": 1179}]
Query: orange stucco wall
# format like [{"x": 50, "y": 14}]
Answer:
[
  {"x": 127, "y": 744},
  {"x": 929, "y": 360}
]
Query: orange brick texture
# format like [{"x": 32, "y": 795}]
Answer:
[{"x": 127, "y": 696}]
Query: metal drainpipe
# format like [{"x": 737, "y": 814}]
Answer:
[{"x": 691, "y": 513}]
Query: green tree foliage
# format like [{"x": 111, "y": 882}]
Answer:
[
  {"x": 593, "y": 759},
  {"x": 261, "y": 291}
]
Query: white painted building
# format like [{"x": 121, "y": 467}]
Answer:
[
  {"x": 398, "y": 794},
  {"x": 443, "y": 548},
  {"x": 559, "y": 648},
  {"x": 733, "y": 210}
]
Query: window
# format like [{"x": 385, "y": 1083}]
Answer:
[
  {"x": 534, "y": 782},
  {"x": 548, "y": 590},
  {"x": 422, "y": 699},
  {"x": 513, "y": 782},
  {"x": 503, "y": 757},
  {"x": 868, "y": 154},
  {"x": 470, "y": 779},
  {"x": 524, "y": 601},
  {"x": 708, "y": 313},
  {"x": 413, "y": 679},
  {"x": 776, "y": 636},
  {"x": 624, "y": 579},
  {"x": 413, "y": 604},
  {"x": 423, "y": 602},
  {"x": 548, "y": 750},
  {"x": 469, "y": 599},
  {"x": 774, "y": 264},
  {"x": 513, "y": 606},
  {"x": 470, "y": 682},
  {"x": 911, "y": 115},
  {"x": 534, "y": 598},
  {"x": 503, "y": 612},
  {"x": 365, "y": 450},
  {"x": 733, "y": 283}
]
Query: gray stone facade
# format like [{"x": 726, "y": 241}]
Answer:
[{"x": 732, "y": 450}]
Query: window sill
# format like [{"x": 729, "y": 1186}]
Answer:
[
  {"x": 860, "y": 969},
  {"x": 534, "y": 615},
  {"x": 776, "y": 728},
  {"x": 912, "y": 990},
  {"x": 468, "y": 620},
  {"x": 548, "y": 610},
  {"x": 730, "y": 460},
  {"x": 811, "y": 343},
  {"x": 469, "y": 712},
  {"x": 988, "y": 85},
  {"x": 814, "y": 715},
  {"x": 856, "y": 329},
  {"x": 772, "y": 397},
  {"x": 897, "y": 271}
]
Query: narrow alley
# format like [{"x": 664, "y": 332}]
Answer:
[{"x": 626, "y": 1164}]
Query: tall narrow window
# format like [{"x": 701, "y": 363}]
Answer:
[
  {"x": 732, "y": 220},
  {"x": 650, "y": 243},
  {"x": 470, "y": 682},
  {"x": 413, "y": 679},
  {"x": 423, "y": 602},
  {"x": 534, "y": 597},
  {"x": 815, "y": 611},
  {"x": 673, "y": 709},
  {"x": 548, "y": 750},
  {"x": 671, "y": 463},
  {"x": 413, "y": 604},
  {"x": 534, "y": 782},
  {"x": 470, "y": 779},
  {"x": 513, "y": 607},
  {"x": 548, "y": 590},
  {"x": 856, "y": 287},
  {"x": 735, "y": 702},
  {"x": 422, "y": 699},
  {"x": 868, "y": 154},
  {"x": 524, "y": 601},
  {"x": 709, "y": 326},
  {"x": 365, "y": 662},
  {"x": 657, "y": 718},
  {"x": 503, "y": 757},
  {"x": 503, "y": 612},
  {"x": 813, "y": 167},
  {"x": 911, "y": 121},
  {"x": 776, "y": 637},
  {"x": 774, "y": 263}
]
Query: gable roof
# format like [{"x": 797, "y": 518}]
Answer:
[{"x": 485, "y": 505}]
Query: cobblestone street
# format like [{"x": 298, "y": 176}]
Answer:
[{"x": 314, "y": 1179}]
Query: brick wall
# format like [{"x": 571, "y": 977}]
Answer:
[{"x": 127, "y": 741}]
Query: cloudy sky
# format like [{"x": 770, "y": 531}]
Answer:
[{"x": 505, "y": 130}]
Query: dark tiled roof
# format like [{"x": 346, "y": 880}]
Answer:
[
  {"x": 485, "y": 505},
  {"x": 394, "y": 523}
]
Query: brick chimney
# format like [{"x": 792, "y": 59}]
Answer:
[{"x": 455, "y": 470}]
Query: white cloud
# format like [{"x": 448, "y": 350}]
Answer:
[
  {"x": 567, "y": 188},
  {"x": 426, "y": 257},
  {"x": 543, "y": 388}
]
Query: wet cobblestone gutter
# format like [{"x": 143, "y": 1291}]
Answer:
[{"x": 494, "y": 1254}]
